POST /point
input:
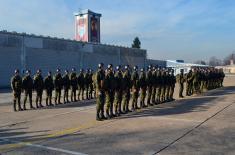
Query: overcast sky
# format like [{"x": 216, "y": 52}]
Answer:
[{"x": 168, "y": 29}]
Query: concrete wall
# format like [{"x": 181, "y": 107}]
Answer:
[{"x": 23, "y": 51}]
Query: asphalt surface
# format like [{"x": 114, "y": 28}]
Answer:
[{"x": 194, "y": 125}]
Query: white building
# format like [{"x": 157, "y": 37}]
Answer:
[{"x": 177, "y": 65}]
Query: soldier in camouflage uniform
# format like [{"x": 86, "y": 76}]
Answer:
[
  {"x": 109, "y": 91},
  {"x": 90, "y": 84},
  {"x": 49, "y": 86},
  {"x": 86, "y": 83},
  {"x": 16, "y": 85},
  {"x": 168, "y": 86},
  {"x": 74, "y": 85},
  {"x": 189, "y": 83},
  {"x": 172, "y": 85},
  {"x": 99, "y": 82},
  {"x": 195, "y": 77},
  {"x": 135, "y": 88},
  {"x": 222, "y": 76},
  {"x": 163, "y": 86},
  {"x": 38, "y": 86},
  {"x": 154, "y": 85},
  {"x": 58, "y": 84},
  {"x": 180, "y": 79},
  {"x": 126, "y": 85},
  {"x": 143, "y": 88},
  {"x": 118, "y": 91},
  {"x": 66, "y": 84},
  {"x": 27, "y": 84},
  {"x": 158, "y": 82},
  {"x": 149, "y": 79},
  {"x": 81, "y": 85}
]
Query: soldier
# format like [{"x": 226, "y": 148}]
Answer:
[
  {"x": 180, "y": 80},
  {"x": 143, "y": 87},
  {"x": 154, "y": 85},
  {"x": 189, "y": 83},
  {"x": 74, "y": 85},
  {"x": 81, "y": 84},
  {"x": 195, "y": 77},
  {"x": 66, "y": 84},
  {"x": 16, "y": 85},
  {"x": 118, "y": 91},
  {"x": 86, "y": 83},
  {"x": 49, "y": 86},
  {"x": 163, "y": 86},
  {"x": 90, "y": 84},
  {"x": 38, "y": 86},
  {"x": 99, "y": 80},
  {"x": 149, "y": 79},
  {"x": 27, "y": 84},
  {"x": 135, "y": 88},
  {"x": 167, "y": 84},
  {"x": 159, "y": 85},
  {"x": 109, "y": 91},
  {"x": 126, "y": 85},
  {"x": 172, "y": 85},
  {"x": 222, "y": 76},
  {"x": 58, "y": 84}
]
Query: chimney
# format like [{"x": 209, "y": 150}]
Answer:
[{"x": 231, "y": 62}]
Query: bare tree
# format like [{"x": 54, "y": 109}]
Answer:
[
  {"x": 229, "y": 58},
  {"x": 215, "y": 61}
]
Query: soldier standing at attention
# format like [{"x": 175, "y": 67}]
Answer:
[
  {"x": 74, "y": 85},
  {"x": 163, "y": 86},
  {"x": 38, "y": 86},
  {"x": 28, "y": 89},
  {"x": 126, "y": 85},
  {"x": 143, "y": 88},
  {"x": 180, "y": 80},
  {"x": 159, "y": 87},
  {"x": 154, "y": 85},
  {"x": 58, "y": 84},
  {"x": 149, "y": 79},
  {"x": 135, "y": 88},
  {"x": 172, "y": 85},
  {"x": 90, "y": 84},
  {"x": 109, "y": 91},
  {"x": 49, "y": 86},
  {"x": 100, "y": 77},
  {"x": 86, "y": 83},
  {"x": 16, "y": 85},
  {"x": 189, "y": 83},
  {"x": 167, "y": 96},
  {"x": 81, "y": 84},
  {"x": 66, "y": 84},
  {"x": 118, "y": 91}
]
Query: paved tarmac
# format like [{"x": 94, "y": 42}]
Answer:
[{"x": 194, "y": 125}]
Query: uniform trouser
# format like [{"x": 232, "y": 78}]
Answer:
[
  {"x": 100, "y": 103},
  {"x": 142, "y": 97},
  {"x": 48, "y": 97},
  {"x": 28, "y": 93},
  {"x": 188, "y": 88},
  {"x": 163, "y": 93},
  {"x": 167, "y": 97},
  {"x": 195, "y": 87},
  {"x": 118, "y": 101},
  {"x": 126, "y": 100},
  {"x": 81, "y": 92},
  {"x": 153, "y": 98},
  {"x": 202, "y": 86},
  {"x": 90, "y": 91},
  {"x": 159, "y": 94},
  {"x": 17, "y": 98},
  {"x": 135, "y": 99},
  {"x": 73, "y": 94},
  {"x": 109, "y": 96},
  {"x": 57, "y": 96},
  {"x": 39, "y": 98},
  {"x": 149, "y": 93},
  {"x": 87, "y": 91},
  {"x": 66, "y": 94},
  {"x": 181, "y": 89},
  {"x": 172, "y": 88}
]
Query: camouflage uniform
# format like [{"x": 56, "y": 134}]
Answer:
[
  {"x": 135, "y": 89},
  {"x": 126, "y": 85},
  {"x": 149, "y": 79},
  {"x": 38, "y": 86},
  {"x": 90, "y": 84},
  {"x": 163, "y": 86},
  {"x": 58, "y": 84},
  {"x": 159, "y": 86},
  {"x": 143, "y": 87},
  {"x": 49, "y": 86},
  {"x": 16, "y": 85},
  {"x": 180, "y": 79},
  {"x": 172, "y": 85},
  {"x": 189, "y": 83},
  {"x": 99, "y": 82},
  {"x": 66, "y": 84},
  {"x": 81, "y": 85},
  {"x": 167, "y": 96},
  {"x": 27, "y": 84},
  {"x": 154, "y": 86},
  {"x": 118, "y": 92},
  {"x": 86, "y": 84},
  {"x": 74, "y": 85}
]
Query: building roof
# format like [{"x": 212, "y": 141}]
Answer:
[{"x": 87, "y": 11}]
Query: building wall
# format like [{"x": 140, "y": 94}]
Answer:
[{"x": 21, "y": 51}]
